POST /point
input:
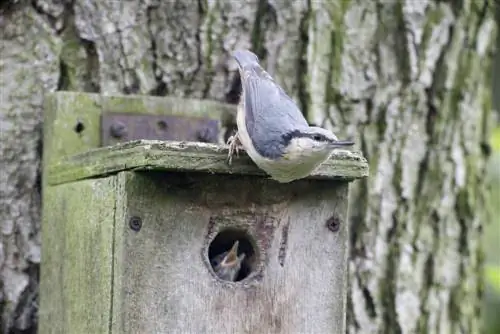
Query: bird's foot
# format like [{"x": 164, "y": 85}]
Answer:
[{"x": 234, "y": 147}]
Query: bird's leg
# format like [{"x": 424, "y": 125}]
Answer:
[{"x": 234, "y": 147}]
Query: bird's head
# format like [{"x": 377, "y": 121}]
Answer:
[
  {"x": 312, "y": 141},
  {"x": 230, "y": 265}
]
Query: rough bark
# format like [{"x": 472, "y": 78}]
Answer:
[
  {"x": 421, "y": 117},
  {"x": 29, "y": 66},
  {"x": 409, "y": 80}
]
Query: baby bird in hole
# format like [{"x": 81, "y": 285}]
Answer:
[{"x": 228, "y": 264}]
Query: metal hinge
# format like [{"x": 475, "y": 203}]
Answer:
[{"x": 120, "y": 127}]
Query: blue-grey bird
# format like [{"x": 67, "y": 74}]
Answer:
[
  {"x": 228, "y": 264},
  {"x": 273, "y": 130}
]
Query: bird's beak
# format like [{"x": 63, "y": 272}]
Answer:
[
  {"x": 341, "y": 143},
  {"x": 232, "y": 255}
]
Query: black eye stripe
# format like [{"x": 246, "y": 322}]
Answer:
[
  {"x": 287, "y": 137},
  {"x": 297, "y": 134}
]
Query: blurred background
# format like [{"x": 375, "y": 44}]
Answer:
[
  {"x": 491, "y": 238},
  {"x": 491, "y": 241}
]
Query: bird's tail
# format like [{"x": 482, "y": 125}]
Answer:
[
  {"x": 246, "y": 59},
  {"x": 249, "y": 65}
]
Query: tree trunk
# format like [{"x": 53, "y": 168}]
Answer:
[{"x": 409, "y": 80}]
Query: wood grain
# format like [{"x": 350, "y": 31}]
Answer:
[
  {"x": 76, "y": 274},
  {"x": 162, "y": 280}
]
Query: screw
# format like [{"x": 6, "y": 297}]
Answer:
[
  {"x": 206, "y": 135},
  {"x": 135, "y": 223},
  {"x": 118, "y": 130},
  {"x": 333, "y": 223},
  {"x": 162, "y": 125}
]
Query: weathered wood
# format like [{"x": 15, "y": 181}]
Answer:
[
  {"x": 72, "y": 120},
  {"x": 99, "y": 275},
  {"x": 76, "y": 273},
  {"x": 183, "y": 156},
  {"x": 162, "y": 280}
]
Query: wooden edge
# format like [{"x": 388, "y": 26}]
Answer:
[
  {"x": 186, "y": 156},
  {"x": 72, "y": 120}
]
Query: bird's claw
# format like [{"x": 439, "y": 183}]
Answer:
[{"x": 234, "y": 147}]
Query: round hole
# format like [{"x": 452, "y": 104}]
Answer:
[
  {"x": 162, "y": 125},
  {"x": 223, "y": 242},
  {"x": 79, "y": 127}
]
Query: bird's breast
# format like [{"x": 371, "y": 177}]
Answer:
[{"x": 289, "y": 167}]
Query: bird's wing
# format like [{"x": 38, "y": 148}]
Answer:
[{"x": 269, "y": 111}]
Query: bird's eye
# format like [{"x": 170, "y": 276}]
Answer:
[{"x": 317, "y": 137}]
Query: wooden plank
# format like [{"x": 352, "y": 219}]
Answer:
[
  {"x": 72, "y": 119},
  {"x": 186, "y": 156},
  {"x": 162, "y": 280},
  {"x": 77, "y": 254}
]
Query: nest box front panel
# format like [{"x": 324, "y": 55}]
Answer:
[{"x": 197, "y": 253}]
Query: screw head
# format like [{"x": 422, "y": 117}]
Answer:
[
  {"x": 135, "y": 223},
  {"x": 162, "y": 125},
  {"x": 333, "y": 223},
  {"x": 118, "y": 130}
]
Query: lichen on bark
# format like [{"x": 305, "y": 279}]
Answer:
[{"x": 414, "y": 91}]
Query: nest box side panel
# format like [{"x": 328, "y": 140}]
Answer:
[
  {"x": 294, "y": 275},
  {"x": 76, "y": 270}
]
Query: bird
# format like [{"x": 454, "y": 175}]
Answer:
[
  {"x": 228, "y": 264},
  {"x": 272, "y": 129}
]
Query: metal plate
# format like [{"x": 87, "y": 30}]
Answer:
[{"x": 121, "y": 127}]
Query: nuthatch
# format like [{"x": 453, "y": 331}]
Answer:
[
  {"x": 272, "y": 129},
  {"x": 228, "y": 264}
]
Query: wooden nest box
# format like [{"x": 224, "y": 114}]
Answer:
[{"x": 130, "y": 225}]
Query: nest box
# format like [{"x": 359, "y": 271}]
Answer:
[{"x": 137, "y": 200}]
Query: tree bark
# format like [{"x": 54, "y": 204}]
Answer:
[{"x": 409, "y": 80}]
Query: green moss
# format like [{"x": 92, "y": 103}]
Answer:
[
  {"x": 462, "y": 73},
  {"x": 73, "y": 60},
  {"x": 78, "y": 257},
  {"x": 210, "y": 19},
  {"x": 387, "y": 287},
  {"x": 337, "y": 39},
  {"x": 186, "y": 156},
  {"x": 434, "y": 16},
  {"x": 402, "y": 57},
  {"x": 462, "y": 207}
]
